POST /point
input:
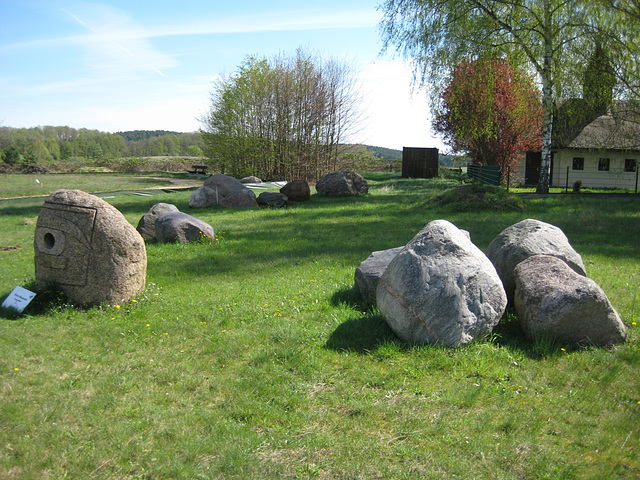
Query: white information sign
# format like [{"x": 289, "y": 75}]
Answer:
[{"x": 18, "y": 299}]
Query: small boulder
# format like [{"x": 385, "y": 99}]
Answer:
[
  {"x": 297, "y": 191},
  {"x": 203, "y": 197},
  {"x": 241, "y": 199},
  {"x": 87, "y": 248},
  {"x": 370, "y": 270},
  {"x": 342, "y": 184},
  {"x": 272, "y": 199},
  {"x": 525, "y": 239},
  {"x": 181, "y": 227},
  {"x": 441, "y": 289},
  {"x": 555, "y": 302},
  {"x": 146, "y": 225},
  {"x": 251, "y": 179}
]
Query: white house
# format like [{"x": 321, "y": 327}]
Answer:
[{"x": 603, "y": 153}]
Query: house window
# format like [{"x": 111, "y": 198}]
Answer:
[
  {"x": 578, "y": 163},
  {"x": 630, "y": 165},
  {"x": 603, "y": 165}
]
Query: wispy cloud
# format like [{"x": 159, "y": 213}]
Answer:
[{"x": 115, "y": 42}]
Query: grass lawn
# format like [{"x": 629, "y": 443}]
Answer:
[
  {"x": 251, "y": 356},
  {"x": 22, "y": 185}
]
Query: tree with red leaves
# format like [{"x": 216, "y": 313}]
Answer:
[{"x": 492, "y": 111}]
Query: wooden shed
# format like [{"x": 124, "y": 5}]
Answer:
[{"x": 419, "y": 162}]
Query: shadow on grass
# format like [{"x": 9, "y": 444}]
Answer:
[
  {"x": 367, "y": 333},
  {"x": 46, "y": 300},
  {"x": 361, "y": 335}
]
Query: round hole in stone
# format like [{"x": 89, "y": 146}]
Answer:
[{"x": 49, "y": 240}]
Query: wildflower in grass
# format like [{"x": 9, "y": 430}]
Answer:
[
  {"x": 563, "y": 350},
  {"x": 148, "y": 325},
  {"x": 117, "y": 306},
  {"x": 633, "y": 323},
  {"x": 16, "y": 369},
  {"x": 134, "y": 301}
]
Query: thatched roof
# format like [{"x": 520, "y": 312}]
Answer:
[{"x": 576, "y": 127}]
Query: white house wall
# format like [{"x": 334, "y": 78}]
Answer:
[{"x": 590, "y": 176}]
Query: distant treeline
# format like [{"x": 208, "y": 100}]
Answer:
[
  {"x": 51, "y": 148},
  {"x": 382, "y": 152},
  {"x": 49, "y": 145}
]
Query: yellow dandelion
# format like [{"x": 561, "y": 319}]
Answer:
[
  {"x": 117, "y": 306},
  {"x": 633, "y": 323},
  {"x": 563, "y": 349},
  {"x": 148, "y": 325},
  {"x": 16, "y": 369},
  {"x": 134, "y": 301}
]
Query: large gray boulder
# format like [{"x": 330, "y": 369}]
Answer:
[
  {"x": 181, "y": 227},
  {"x": 441, "y": 289},
  {"x": 297, "y": 191},
  {"x": 146, "y": 225},
  {"x": 87, "y": 248},
  {"x": 556, "y": 303},
  {"x": 225, "y": 185},
  {"x": 230, "y": 192},
  {"x": 525, "y": 239},
  {"x": 203, "y": 197},
  {"x": 370, "y": 270},
  {"x": 342, "y": 184}
]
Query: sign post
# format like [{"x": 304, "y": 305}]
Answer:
[{"x": 18, "y": 299}]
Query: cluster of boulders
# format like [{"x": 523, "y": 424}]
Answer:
[
  {"x": 226, "y": 191},
  {"x": 441, "y": 289}
]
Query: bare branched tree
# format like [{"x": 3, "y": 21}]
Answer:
[{"x": 283, "y": 118}]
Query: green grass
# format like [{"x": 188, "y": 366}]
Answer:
[
  {"x": 252, "y": 357},
  {"x": 19, "y": 185}
]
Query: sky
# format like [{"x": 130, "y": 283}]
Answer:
[{"x": 114, "y": 65}]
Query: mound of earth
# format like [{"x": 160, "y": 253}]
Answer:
[{"x": 478, "y": 197}]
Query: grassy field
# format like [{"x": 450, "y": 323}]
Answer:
[
  {"x": 23, "y": 185},
  {"x": 251, "y": 356}
]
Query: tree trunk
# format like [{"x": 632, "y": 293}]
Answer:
[{"x": 547, "y": 108}]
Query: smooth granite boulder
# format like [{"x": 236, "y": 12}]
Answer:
[
  {"x": 441, "y": 289},
  {"x": 554, "y": 302},
  {"x": 181, "y": 227}
]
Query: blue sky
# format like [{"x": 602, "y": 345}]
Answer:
[{"x": 149, "y": 65}]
